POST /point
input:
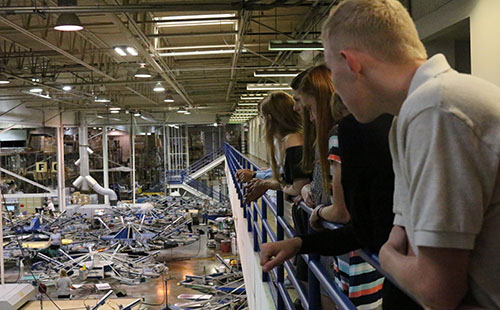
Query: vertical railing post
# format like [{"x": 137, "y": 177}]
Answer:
[
  {"x": 265, "y": 275},
  {"x": 248, "y": 207},
  {"x": 280, "y": 234},
  {"x": 254, "y": 222},
  {"x": 314, "y": 296}
]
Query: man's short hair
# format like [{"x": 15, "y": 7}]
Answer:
[{"x": 383, "y": 28}]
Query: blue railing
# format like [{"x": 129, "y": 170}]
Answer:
[
  {"x": 205, "y": 189},
  {"x": 205, "y": 160},
  {"x": 258, "y": 212}
]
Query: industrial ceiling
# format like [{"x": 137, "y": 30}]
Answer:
[{"x": 204, "y": 54}]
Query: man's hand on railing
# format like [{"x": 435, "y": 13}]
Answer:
[
  {"x": 255, "y": 189},
  {"x": 245, "y": 175},
  {"x": 276, "y": 253}
]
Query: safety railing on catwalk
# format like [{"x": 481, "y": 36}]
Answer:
[{"x": 256, "y": 214}]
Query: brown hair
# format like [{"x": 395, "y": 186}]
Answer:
[
  {"x": 382, "y": 27},
  {"x": 318, "y": 84},
  {"x": 284, "y": 120},
  {"x": 63, "y": 273},
  {"x": 307, "y": 161}
]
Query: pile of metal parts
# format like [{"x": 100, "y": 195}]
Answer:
[
  {"x": 224, "y": 289},
  {"x": 120, "y": 242}
]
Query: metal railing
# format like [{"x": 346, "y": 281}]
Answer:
[
  {"x": 258, "y": 212},
  {"x": 205, "y": 160}
]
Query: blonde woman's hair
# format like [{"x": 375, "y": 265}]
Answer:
[
  {"x": 63, "y": 273},
  {"x": 384, "y": 28},
  {"x": 280, "y": 120},
  {"x": 318, "y": 84}
]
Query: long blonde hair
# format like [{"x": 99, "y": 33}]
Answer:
[
  {"x": 280, "y": 120},
  {"x": 318, "y": 84}
]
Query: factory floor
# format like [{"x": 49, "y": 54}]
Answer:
[{"x": 192, "y": 259}]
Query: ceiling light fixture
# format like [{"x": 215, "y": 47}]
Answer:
[
  {"x": 202, "y": 16},
  {"x": 168, "y": 98},
  {"x": 142, "y": 72},
  {"x": 181, "y": 110},
  {"x": 119, "y": 50},
  {"x": 114, "y": 111},
  {"x": 254, "y": 104},
  {"x": 194, "y": 47},
  {"x": 132, "y": 51},
  {"x": 67, "y": 88},
  {"x": 187, "y": 112},
  {"x": 253, "y": 96},
  {"x": 4, "y": 80},
  {"x": 101, "y": 99},
  {"x": 68, "y": 22},
  {"x": 194, "y": 23},
  {"x": 36, "y": 89},
  {"x": 276, "y": 72},
  {"x": 137, "y": 113},
  {"x": 295, "y": 45},
  {"x": 196, "y": 53},
  {"x": 158, "y": 87},
  {"x": 269, "y": 86}
]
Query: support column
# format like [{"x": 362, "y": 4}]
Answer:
[
  {"x": 105, "y": 161},
  {"x": 83, "y": 141},
  {"x": 165, "y": 159},
  {"x": 132, "y": 149},
  {"x": 60, "y": 165},
  {"x": 187, "y": 146}
]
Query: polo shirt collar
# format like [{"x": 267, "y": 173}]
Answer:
[{"x": 434, "y": 66}]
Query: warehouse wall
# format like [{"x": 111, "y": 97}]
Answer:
[
  {"x": 484, "y": 25},
  {"x": 256, "y": 142}
]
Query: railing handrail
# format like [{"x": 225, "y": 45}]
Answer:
[{"x": 235, "y": 161}]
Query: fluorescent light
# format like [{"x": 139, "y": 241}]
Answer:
[
  {"x": 269, "y": 86},
  {"x": 276, "y": 72},
  {"x": 203, "y": 16},
  {"x": 173, "y": 48},
  {"x": 120, "y": 51},
  {"x": 4, "y": 80},
  {"x": 253, "y": 96},
  {"x": 295, "y": 45},
  {"x": 254, "y": 104},
  {"x": 115, "y": 109},
  {"x": 36, "y": 89},
  {"x": 132, "y": 51},
  {"x": 168, "y": 98},
  {"x": 158, "y": 87},
  {"x": 195, "y": 53},
  {"x": 67, "y": 88},
  {"x": 187, "y": 112},
  {"x": 101, "y": 98},
  {"x": 114, "y": 112},
  {"x": 195, "y": 23},
  {"x": 137, "y": 114},
  {"x": 181, "y": 111}
]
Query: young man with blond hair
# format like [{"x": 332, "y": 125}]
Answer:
[{"x": 445, "y": 144}]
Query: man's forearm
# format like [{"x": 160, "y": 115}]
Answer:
[{"x": 431, "y": 289}]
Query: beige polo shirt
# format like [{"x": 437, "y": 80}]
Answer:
[{"x": 445, "y": 145}]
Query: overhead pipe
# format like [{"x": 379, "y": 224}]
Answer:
[{"x": 157, "y": 7}]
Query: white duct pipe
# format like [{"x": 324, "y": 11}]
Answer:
[
  {"x": 101, "y": 190},
  {"x": 78, "y": 182}
]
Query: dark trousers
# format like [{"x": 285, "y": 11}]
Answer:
[{"x": 395, "y": 299}]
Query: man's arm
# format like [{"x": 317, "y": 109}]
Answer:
[{"x": 436, "y": 277}]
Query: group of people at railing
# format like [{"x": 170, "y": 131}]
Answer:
[{"x": 401, "y": 149}]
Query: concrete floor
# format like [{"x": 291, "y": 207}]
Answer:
[{"x": 181, "y": 261}]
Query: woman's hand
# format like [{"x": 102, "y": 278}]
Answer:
[{"x": 307, "y": 196}]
